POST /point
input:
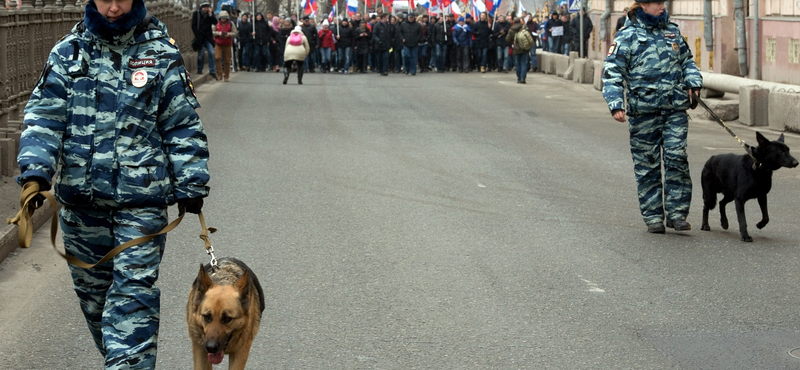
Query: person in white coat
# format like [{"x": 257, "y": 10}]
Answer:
[{"x": 295, "y": 53}]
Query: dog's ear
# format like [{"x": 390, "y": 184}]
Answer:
[
  {"x": 780, "y": 138},
  {"x": 243, "y": 287},
  {"x": 762, "y": 141},
  {"x": 204, "y": 281}
]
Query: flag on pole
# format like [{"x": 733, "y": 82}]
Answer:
[
  {"x": 411, "y": 5},
  {"x": 455, "y": 9},
  {"x": 489, "y": 4},
  {"x": 332, "y": 16},
  {"x": 520, "y": 9},
  {"x": 478, "y": 7},
  {"x": 310, "y": 7},
  {"x": 352, "y": 7},
  {"x": 387, "y": 5}
]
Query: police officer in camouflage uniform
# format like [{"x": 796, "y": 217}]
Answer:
[
  {"x": 114, "y": 111},
  {"x": 651, "y": 57}
]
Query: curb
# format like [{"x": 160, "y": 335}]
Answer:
[{"x": 9, "y": 238}]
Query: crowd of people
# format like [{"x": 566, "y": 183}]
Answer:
[{"x": 384, "y": 43}]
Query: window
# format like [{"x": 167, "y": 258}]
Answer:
[
  {"x": 794, "y": 51},
  {"x": 770, "y": 52}
]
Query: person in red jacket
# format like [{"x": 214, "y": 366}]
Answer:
[
  {"x": 326, "y": 45},
  {"x": 224, "y": 32}
]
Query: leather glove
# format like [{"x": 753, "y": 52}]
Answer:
[
  {"x": 694, "y": 93},
  {"x": 193, "y": 205},
  {"x": 38, "y": 199}
]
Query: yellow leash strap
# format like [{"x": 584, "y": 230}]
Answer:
[
  {"x": 25, "y": 226},
  {"x": 23, "y": 219}
]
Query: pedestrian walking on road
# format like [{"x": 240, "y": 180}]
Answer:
[
  {"x": 224, "y": 33},
  {"x": 202, "y": 21},
  {"x": 114, "y": 112},
  {"x": 295, "y": 53},
  {"x": 653, "y": 59},
  {"x": 520, "y": 50}
]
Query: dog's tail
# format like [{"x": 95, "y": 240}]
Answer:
[{"x": 709, "y": 190}]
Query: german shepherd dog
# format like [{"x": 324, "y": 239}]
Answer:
[
  {"x": 223, "y": 313},
  {"x": 738, "y": 180}
]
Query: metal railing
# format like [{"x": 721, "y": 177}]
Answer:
[{"x": 28, "y": 31}]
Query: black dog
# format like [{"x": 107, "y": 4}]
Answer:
[{"x": 739, "y": 180}]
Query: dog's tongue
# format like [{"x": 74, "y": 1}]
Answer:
[{"x": 215, "y": 358}]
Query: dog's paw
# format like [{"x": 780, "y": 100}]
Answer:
[
  {"x": 705, "y": 227},
  {"x": 762, "y": 223},
  {"x": 724, "y": 223},
  {"x": 747, "y": 239}
]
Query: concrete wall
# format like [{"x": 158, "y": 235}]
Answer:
[{"x": 784, "y": 111}]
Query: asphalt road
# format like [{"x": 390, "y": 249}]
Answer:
[{"x": 447, "y": 221}]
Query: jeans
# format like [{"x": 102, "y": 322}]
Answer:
[
  {"x": 344, "y": 58},
  {"x": 502, "y": 57},
  {"x": 326, "y": 55},
  {"x": 311, "y": 59},
  {"x": 534, "y": 60},
  {"x": 441, "y": 56},
  {"x": 566, "y": 48},
  {"x": 260, "y": 57},
  {"x": 521, "y": 62},
  {"x": 462, "y": 58},
  {"x": 382, "y": 61},
  {"x": 480, "y": 56},
  {"x": 554, "y": 43},
  {"x": 410, "y": 55},
  {"x": 212, "y": 68}
]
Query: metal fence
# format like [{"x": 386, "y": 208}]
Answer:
[{"x": 28, "y": 30}]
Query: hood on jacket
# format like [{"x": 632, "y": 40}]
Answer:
[{"x": 297, "y": 29}]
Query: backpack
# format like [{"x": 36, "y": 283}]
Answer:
[
  {"x": 296, "y": 39},
  {"x": 523, "y": 39}
]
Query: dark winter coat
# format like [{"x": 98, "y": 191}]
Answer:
[
  {"x": 201, "y": 25},
  {"x": 482, "y": 32},
  {"x": 500, "y": 32},
  {"x": 575, "y": 28},
  {"x": 310, "y": 32},
  {"x": 264, "y": 32},
  {"x": 363, "y": 40},
  {"x": 411, "y": 33},
  {"x": 440, "y": 34},
  {"x": 245, "y": 32},
  {"x": 382, "y": 36},
  {"x": 347, "y": 37}
]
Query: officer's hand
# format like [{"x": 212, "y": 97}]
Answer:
[
  {"x": 224, "y": 34},
  {"x": 694, "y": 93},
  {"x": 194, "y": 205},
  {"x": 38, "y": 199},
  {"x": 619, "y": 115}
]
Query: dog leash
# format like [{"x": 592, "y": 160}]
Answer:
[
  {"x": 746, "y": 146},
  {"x": 25, "y": 228}
]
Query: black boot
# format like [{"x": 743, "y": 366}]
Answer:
[
  {"x": 286, "y": 72},
  {"x": 300, "y": 76}
]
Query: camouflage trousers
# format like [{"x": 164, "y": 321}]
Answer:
[
  {"x": 650, "y": 136},
  {"x": 119, "y": 299}
]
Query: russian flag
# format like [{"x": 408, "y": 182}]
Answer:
[
  {"x": 352, "y": 7},
  {"x": 478, "y": 7},
  {"x": 492, "y": 5},
  {"x": 332, "y": 16},
  {"x": 310, "y": 7},
  {"x": 412, "y": 5},
  {"x": 387, "y": 4}
]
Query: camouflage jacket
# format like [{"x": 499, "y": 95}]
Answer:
[
  {"x": 118, "y": 118},
  {"x": 657, "y": 65}
]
